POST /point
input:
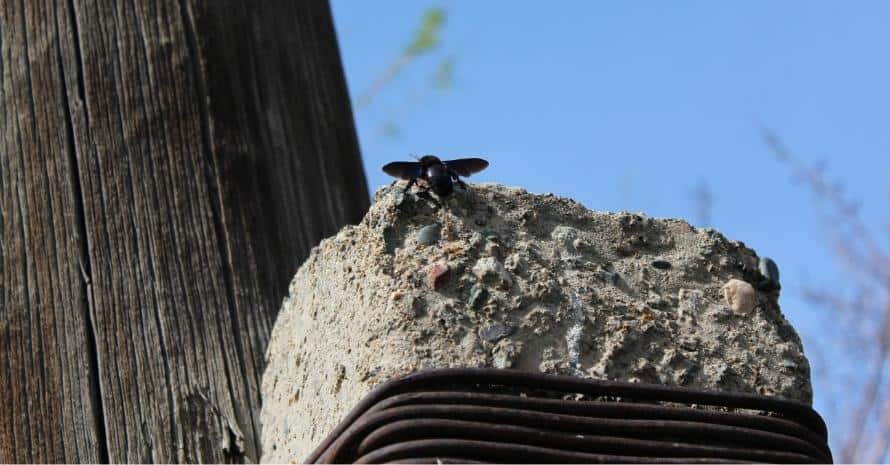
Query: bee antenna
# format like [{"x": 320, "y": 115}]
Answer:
[{"x": 414, "y": 156}]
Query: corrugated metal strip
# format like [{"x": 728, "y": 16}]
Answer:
[{"x": 488, "y": 415}]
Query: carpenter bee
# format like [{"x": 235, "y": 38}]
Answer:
[{"x": 435, "y": 174}]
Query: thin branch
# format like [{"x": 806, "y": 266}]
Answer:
[
  {"x": 874, "y": 389},
  {"x": 856, "y": 246},
  {"x": 831, "y": 192}
]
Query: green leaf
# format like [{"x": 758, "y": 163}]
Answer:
[{"x": 427, "y": 37}]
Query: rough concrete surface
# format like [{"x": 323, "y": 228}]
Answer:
[{"x": 511, "y": 279}]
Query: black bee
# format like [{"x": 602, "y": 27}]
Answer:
[{"x": 438, "y": 175}]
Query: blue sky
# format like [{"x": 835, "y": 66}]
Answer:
[{"x": 629, "y": 106}]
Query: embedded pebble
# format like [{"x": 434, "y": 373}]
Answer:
[
  {"x": 428, "y": 235},
  {"x": 564, "y": 236},
  {"x": 661, "y": 264},
  {"x": 625, "y": 249},
  {"x": 438, "y": 276},
  {"x": 610, "y": 277},
  {"x": 630, "y": 246},
  {"x": 515, "y": 262},
  {"x": 769, "y": 270},
  {"x": 740, "y": 296},
  {"x": 492, "y": 249},
  {"x": 489, "y": 269},
  {"x": 504, "y": 354},
  {"x": 495, "y": 332},
  {"x": 477, "y": 295}
]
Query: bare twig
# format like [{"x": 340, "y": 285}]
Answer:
[{"x": 858, "y": 248}]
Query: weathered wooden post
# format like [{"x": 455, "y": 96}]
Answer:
[{"x": 165, "y": 165}]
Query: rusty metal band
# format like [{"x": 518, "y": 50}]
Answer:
[
  {"x": 658, "y": 430},
  {"x": 624, "y": 410},
  {"x": 415, "y": 429},
  {"x": 435, "y": 460},
  {"x": 510, "y": 453},
  {"x": 480, "y": 410}
]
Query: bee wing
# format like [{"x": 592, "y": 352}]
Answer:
[
  {"x": 403, "y": 169},
  {"x": 466, "y": 166}
]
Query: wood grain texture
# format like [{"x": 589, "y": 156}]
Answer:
[{"x": 166, "y": 166}]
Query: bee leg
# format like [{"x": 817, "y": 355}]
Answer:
[
  {"x": 456, "y": 179},
  {"x": 410, "y": 183}
]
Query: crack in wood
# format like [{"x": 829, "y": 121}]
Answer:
[
  {"x": 94, "y": 364},
  {"x": 211, "y": 173}
]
